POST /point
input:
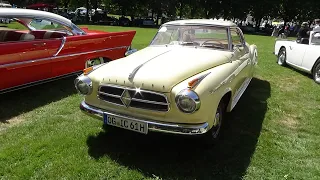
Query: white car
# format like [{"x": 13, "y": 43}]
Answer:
[{"x": 302, "y": 54}]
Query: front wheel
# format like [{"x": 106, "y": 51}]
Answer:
[
  {"x": 213, "y": 134},
  {"x": 282, "y": 56},
  {"x": 316, "y": 72},
  {"x": 93, "y": 62}
]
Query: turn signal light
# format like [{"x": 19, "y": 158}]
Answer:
[
  {"x": 193, "y": 82},
  {"x": 87, "y": 70}
]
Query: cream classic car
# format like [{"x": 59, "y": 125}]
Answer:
[
  {"x": 192, "y": 72},
  {"x": 302, "y": 54}
]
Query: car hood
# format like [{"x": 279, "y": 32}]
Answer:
[{"x": 160, "y": 68}]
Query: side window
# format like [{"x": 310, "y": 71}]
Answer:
[
  {"x": 54, "y": 30},
  {"x": 13, "y": 31},
  {"x": 236, "y": 38},
  {"x": 45, "y": 25}
]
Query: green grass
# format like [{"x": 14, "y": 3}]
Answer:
[{"x": 273, "y": 133}]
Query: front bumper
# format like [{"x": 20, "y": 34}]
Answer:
[{"x": 172, "y": 128}]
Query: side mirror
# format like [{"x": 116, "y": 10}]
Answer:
[{"x": 130, "y": 51}]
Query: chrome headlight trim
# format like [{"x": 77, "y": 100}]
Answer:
[
  {"x": 190, "y": 94},
  {"x": 86, "y": 81}
]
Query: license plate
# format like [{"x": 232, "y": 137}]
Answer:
[{"x": 124, "y": 123}]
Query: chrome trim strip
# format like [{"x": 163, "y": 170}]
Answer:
[
  {"x": 170, "y": 128},
  {"x": 240, "y": 92},
  {"x": 63, "y": 41},
  {"x": 107, "y": 94},
  {"x": 226, "y": 80},
  {"x": 149, "y": 102},
  {"x": 63, "y": 56}
]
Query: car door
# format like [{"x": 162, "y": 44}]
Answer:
[
  {"x": 23, "y": 61},
  {"x": 241, "y": 56},
  {"x": 312, "y": 52},
  {"x": 296, "y": 52}
]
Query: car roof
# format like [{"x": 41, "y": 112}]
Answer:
[
  {"x": 30, "y": 13},
  {"x": 212, "y": 22}
]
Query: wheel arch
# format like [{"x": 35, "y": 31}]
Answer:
[
  {"x": 227, "y": 99},
  {"x": 314, "y": 65}
]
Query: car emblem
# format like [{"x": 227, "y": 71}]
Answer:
[{"x": 125, "y": 98}]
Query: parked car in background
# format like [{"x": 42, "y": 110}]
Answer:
[
  {"x": 124, "y": 21},
  {"x": 51, "y": 46},
  {"x": 303, "y": 55},
  {"x": 192, "y": 73},
  {"x": 5, "y": 4},
  {"x": 143, "y": 22}
]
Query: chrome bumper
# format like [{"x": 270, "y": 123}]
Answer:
[{"x": 172, "y": 128}]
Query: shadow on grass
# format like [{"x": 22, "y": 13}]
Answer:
[
  {"x": 173, "y": 157},
  {"x": 24, "y": 100}
]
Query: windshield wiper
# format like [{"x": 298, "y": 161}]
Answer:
[
  {"x": 186, "y": 43},
  {"x": 212, "y": 46}
]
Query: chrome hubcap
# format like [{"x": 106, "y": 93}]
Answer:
[
  {"x": 317, "y": 78},
  {"x": 94, "y": 62},
  {"x": 282, "y": 57},
  {"x": 216, "y": 124}
]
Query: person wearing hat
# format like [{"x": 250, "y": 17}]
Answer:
[
  {"x": 317, "y": 23},
  {"x": 303, "y": 31}
]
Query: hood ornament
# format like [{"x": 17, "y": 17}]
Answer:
[{"x": 135, "y": 70}]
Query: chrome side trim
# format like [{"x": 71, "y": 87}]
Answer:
[
  {"x": 240, "y": 92},
  {"x": 170, "y": 128},
  {"x": 63, "y": 41},
  {"x": 227, "y": 80},
  {"x": 63, "y": 56}
]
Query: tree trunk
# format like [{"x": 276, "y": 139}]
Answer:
[
  {"x": 88, "y": 9},
  {"x": 258, "y": 24},
  {"x": 181, "y": 9}
]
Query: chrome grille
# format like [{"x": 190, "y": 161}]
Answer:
[{"x": 130, "y": 97}]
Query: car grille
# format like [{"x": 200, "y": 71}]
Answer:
[{"x": 129, "y": 97}]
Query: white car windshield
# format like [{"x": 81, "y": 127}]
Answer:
[{"x": 201, "y": 36}]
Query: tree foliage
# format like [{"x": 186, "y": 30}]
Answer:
[{"x": 287, "y": 10}]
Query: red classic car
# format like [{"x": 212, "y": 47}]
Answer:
[{"x": 51, "y": 46}]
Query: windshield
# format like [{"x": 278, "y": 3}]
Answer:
[{"x": 201, "y": 36}]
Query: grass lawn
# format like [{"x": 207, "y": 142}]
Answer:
[{"x": 273, "y": 133}]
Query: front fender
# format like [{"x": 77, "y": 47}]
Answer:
[
  {"x": 211, "y": 89},
  {"x": 281, "y": 43}
]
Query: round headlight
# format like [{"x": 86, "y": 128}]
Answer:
[
  {"x": 83, "y": 85},
  {"x": 188, "y": 101}
]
